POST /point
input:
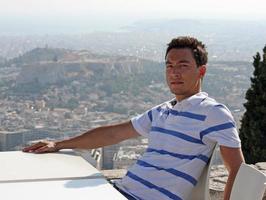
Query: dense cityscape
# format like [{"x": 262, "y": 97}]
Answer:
[{"x": 57, "y": 86}]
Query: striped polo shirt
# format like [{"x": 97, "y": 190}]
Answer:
[{"x": 181, "y": 138}]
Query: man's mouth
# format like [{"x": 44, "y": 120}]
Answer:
[{"x": 176, "y": 82}]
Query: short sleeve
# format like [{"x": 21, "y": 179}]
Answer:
[
  {"x": 220, "y": 127},
  {"x": 142, "y": 123}
]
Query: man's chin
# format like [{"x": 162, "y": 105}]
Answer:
[{"x": 177, "y": 92}]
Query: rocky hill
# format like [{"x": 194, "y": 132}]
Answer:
[{"x": 50, "y": 66}]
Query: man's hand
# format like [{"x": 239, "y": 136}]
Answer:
[{"x": 42, "y": 147}]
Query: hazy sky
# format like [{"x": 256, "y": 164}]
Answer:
[
  {"x": 170, "y": 8},
  {"x": 25, "y": 12}
]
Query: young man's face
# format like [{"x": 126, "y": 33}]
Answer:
[{"x": 182, "y": 74}]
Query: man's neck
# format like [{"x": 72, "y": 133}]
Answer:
[{"x": 180, "y": 98}]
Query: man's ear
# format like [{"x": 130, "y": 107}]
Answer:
[{"x": 202, "y": 70}]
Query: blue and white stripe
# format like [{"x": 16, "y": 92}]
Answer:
[{"x": 172, "y": 164}]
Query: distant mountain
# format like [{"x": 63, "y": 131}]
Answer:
[
  {"x": 164, "y": 25},
  {"x": 188, "y": 26}
]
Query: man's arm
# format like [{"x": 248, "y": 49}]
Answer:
[
  {"x": 232, "y": 157},
  {"x": 95, "y": 138}
]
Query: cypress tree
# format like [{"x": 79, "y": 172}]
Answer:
[{"x": 253, "y": 123}]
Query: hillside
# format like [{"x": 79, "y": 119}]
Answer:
[
  {"x": 40, "y": 66},
  {"x": 112, "y": 83}
]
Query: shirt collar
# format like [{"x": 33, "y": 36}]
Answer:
[{"x": 194, "y": 99}]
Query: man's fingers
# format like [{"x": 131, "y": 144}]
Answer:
[
  {"x": 33, "y": 147},
  {"x": 43, "y": 149}
]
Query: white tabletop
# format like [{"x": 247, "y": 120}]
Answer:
[
  {"x": 80, "y": 189},
  {"x": 62, "y": 175},
  {"x": 17, "y": 165}
]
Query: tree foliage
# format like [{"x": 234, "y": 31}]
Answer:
[{"x": 253, "y": 124}]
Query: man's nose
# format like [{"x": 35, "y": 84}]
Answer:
[
  {"x": 177, "y": 70},
  {"x": 176, "y": 73}
]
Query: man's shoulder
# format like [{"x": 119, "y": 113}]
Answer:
[
  {"x": 212, "y": 103},
  {"x": 216, "y": 111}
]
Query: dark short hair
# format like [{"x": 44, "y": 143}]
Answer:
[{"x": 197, "y": 47}]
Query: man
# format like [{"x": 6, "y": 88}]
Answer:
[{"x": 182, "y": 133}]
